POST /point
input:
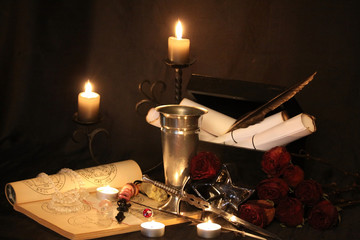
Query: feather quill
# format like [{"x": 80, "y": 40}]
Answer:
[{"x": 258, "y": 114}]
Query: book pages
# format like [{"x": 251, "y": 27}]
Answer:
[
  {"x": 32, "y": 197},
  {"x": 89, "y": 223}
]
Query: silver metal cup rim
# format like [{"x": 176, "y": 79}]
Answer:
[{"x": 173, "y": 110}]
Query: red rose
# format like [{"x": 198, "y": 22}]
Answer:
[
  {"x": 257, "y": 212},
  {"x": 275, "y": 160},
  {"x": 323, "y": 215},
  {"x": 290, "y": 212},
  {"x": 273, "y": 189},
  {"x": 309, "y": 192},
  {"x": 293, "y": 175},
  {"x": 204, "y": 165}
]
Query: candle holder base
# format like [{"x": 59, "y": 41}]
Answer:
[
  {"x": 178, "y": 75},
  {"x": 88, "y": 129},
  {"x": 179, "y": 65},
  {"x": 77, "y": 120}
]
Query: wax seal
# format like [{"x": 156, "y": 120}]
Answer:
[{"x": 148, "y": 213}]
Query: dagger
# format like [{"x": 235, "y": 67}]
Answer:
[
  {"x": 195, "y": 220},
  {"x": 206, "y": 206}
]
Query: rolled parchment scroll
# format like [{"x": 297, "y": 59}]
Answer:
[
  {"x": 241, "y": 134},
  {"x": 281, "y": 134},
  {"x": 213, "y": 122}
]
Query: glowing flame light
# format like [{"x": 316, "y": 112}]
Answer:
[
  {"x": 178, "y": 30},
  {"x": 88, "y": 87}
]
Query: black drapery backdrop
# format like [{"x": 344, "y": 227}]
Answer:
[{"x": 50, "y": 48}]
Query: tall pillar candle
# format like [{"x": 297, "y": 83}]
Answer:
[
  {"x": 88, "y": 105},
  {"x": 178, "y": 47}
]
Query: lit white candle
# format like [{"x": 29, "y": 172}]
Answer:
[
  {"x": 178, "y": 47},
  {"x": 88, "y": 105},
  {"x": 107, "y": 192},
  {"x": 208, "y": 230},
  {"x": 152, "y": 229}
]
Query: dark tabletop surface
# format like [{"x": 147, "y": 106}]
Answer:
[{"x": 15, "y": 225}]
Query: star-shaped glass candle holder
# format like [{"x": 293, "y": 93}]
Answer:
[{"x": 221, "y": 192}]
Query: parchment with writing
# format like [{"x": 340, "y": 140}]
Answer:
[
  {"x": 32, "y": 197},
  {"x": 89, "y": 223},
  {"x": 114, "y": 174}
]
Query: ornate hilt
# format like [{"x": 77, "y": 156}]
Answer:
[
  {"x": 181, "y": 194},
  {"x": 173, "y": 204},
  {"x": 163, "y": 186}
]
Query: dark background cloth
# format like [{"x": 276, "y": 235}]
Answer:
[{"x": 48, "y": 49}]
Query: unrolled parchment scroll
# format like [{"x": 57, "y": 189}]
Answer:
[{"x": 114, "y": 174}]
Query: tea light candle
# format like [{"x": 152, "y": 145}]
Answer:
[
  {"x": 208, "y": 230},
  {"x": 107, "y": 192},
  {"x": 88, "y": 104},
  {"x": 152, "y": 229},
  {"x": 178, "y": 47}
]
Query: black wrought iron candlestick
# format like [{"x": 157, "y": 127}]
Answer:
[
  {"x": 88, "y": 129},
  {"x": 152, "y": 93},
  {"x": 178, "y": 75}
]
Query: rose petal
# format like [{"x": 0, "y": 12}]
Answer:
[
  {"x": 290, "y": 212},
  {"x": 275, "y": 160},
  {"x": 323, "y": 215}
]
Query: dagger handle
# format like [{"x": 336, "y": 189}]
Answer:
[{"x": 161, "y": 185}]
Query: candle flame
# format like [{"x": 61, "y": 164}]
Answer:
[
  {"x": 178, "y": 30},
  {"x": 88, "y": 87}
]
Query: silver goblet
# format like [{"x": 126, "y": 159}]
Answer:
[{"x": 179, "y": 137}]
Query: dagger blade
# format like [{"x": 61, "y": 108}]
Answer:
[
  {"x": 195, "y": 220},
  {"x": 206, "y": 206},
  {"x": 231, "y": 218}
]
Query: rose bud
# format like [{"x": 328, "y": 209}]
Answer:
[
  {"x": 293, "y": 175},
  {"x": 275, "y": 160},
  {"x": 290, "y": 212},
  {"x": 323, "y": 215},
  {"x": 257, "y": 212},
  {"x": 273, "y": 189},
  {"x": 309, "y": 192},
  {"x": 204, "y": 165}
]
